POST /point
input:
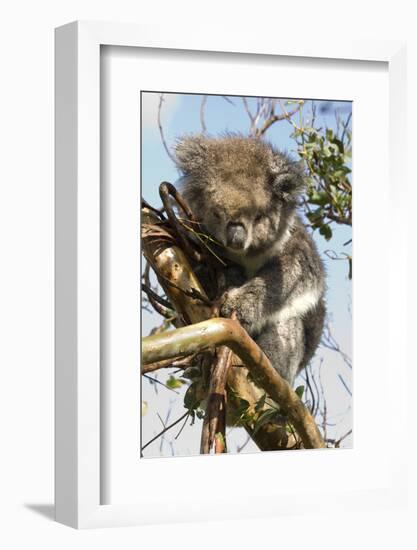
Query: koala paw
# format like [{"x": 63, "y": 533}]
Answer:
[{"x": 238, "y": 301}]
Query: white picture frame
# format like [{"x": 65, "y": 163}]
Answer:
[{"x": 78, "y": 426}]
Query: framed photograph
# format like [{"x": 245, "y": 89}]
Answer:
[{"x": 225, "y": 298}]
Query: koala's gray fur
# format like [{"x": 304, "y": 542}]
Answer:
[{"x": 245, "y": 193}]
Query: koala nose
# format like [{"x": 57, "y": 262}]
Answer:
[{"x": 236, "y": 235}]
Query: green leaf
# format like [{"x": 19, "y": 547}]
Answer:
[
  {"x": 334, "y": 149},
  {"x": 329, "y": 134},
  {"x": 319, "y": 197},
  {"x": 243, "y": 406},
  {"x": 174, "y": 383},
  {"x": 190, "y": 397},
  {"x": 315, "y": 216},
  {"x": 340, "y": 145},
  {"x": 289, "y": 429},
  {"x": 219, "y": 437},
  {"x": 300, "y": 391},
  {"x": 326, "y": 231},
  {"x": 243, "y": 413},
  {"x": 192, "y": 373},
  {"x": 327, "y": 151}
]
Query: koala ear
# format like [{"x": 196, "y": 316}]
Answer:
[
  {"x": 191, "y": 153},
  {"x": 287, "y": 177}
]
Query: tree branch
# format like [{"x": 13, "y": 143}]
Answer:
[
  {"x": 226, "y": 332},
  {"x": 175, "y": 275},
  {"x": 215, "y": 417},
  {"x": 161, "y": 130},
  {"x": 276, "y": 118}
]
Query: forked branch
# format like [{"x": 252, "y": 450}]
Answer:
[{"x": 226, "y": 332}]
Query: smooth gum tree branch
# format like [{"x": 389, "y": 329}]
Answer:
[
  {"x": 174, "y": 273},
  {"x": 226, "y": 332}
]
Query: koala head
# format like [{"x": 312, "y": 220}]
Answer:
[{"x": 241, "y": 190}]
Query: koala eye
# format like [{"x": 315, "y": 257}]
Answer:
[
  {"x": 216, "y": 215},
  {"x": 258, "y": 218}
]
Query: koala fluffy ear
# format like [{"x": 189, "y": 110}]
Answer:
[
  {"x": 191, "y": 153},
  {"x": 287, "y": 177}
]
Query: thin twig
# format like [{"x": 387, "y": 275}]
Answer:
[
  {"x": 328, "y": 341},
  {"x": 228, "y": 100},
  {"x": 247, "y": 109},
  {"x": 192, "y": 293},
  {"x": 345, "y": 127},
  {"x": 165, "y": 430},
  {"x": 154, "y": 297},
  {"x": 344, "y": 384},
  {"x": 179, "y": 362},
  {"x": 156, "y": 381},
  {"x": 183, "y": 426},
  {"x": 337, "y": 442},
  {"x": 167, "y": 190},
  {"x": 161, "y": 130},
  {"x": 310, "y": 389},
  {"x": 202, "y": 120},
  {"x": 240, "y": 448},
  {"x": 276, "y": 118}
]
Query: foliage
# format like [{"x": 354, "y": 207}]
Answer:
[{"x": 327, "y": 156}]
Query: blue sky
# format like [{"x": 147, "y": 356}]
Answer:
[{"x": 180, "y": 114}]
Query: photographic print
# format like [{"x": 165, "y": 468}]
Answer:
[{"x": 246, "y": 228}]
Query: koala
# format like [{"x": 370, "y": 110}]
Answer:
[{"x": 245, "y": 194}]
